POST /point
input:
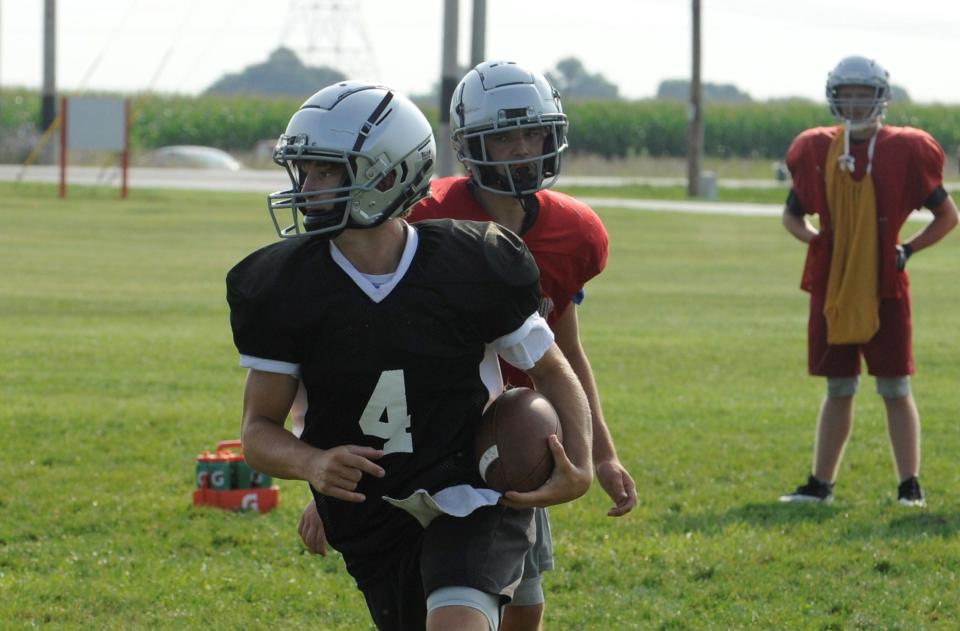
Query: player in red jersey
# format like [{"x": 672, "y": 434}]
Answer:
[
  {"x": 863, "y": 179},
  {"x": 510, "y": 135}
]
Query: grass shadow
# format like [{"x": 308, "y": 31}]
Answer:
[
  {"x": 756, "y": 514},
  {"x": 922, "y": 523},
  {"x": 776, "y": 515}
]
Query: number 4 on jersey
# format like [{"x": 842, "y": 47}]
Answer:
[{"x": 385, "y": 415}]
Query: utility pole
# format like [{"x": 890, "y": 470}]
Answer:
[
  {"x": 478, "y": 39},
  {"x": 448, "y": 81},
  {"x": 695, "y": 115},
  {"x": 48, "y": 104}
]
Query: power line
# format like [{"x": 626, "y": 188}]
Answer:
[
  {"x": 330, "y": 33},
  {"x": 81, "y": 86},
  {"x": 211, "y": 41},
  {"x": 191, "y": 7}
]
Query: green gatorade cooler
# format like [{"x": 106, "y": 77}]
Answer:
[
  {"x": 261, "y": 480},
  {"x": 220, "y": 473},
  {"x": 242, "y": 473},
  {"x": 203, "y": 470}
]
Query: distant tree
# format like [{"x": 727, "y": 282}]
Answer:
[
  {"x": 283, "y": 74},
  {"x": 794, "y": 100},
  {"x": 679, "y": 90},
  {"x": 899, "y": 94},
  {"x": 574, "y": 82}
]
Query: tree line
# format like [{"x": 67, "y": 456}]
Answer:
[{"x": 241, "y": 109}]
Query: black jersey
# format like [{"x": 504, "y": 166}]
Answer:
[{"x": 401, "y": 374}]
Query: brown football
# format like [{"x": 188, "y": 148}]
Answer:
[{"x": 511, "y": 444}]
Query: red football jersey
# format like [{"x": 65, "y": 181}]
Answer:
[
  {"x": 907, "y": 169},
  {"x": 567, "y": 240}
]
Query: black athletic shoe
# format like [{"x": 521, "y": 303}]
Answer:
[
  {"x": 813, "y": 491},
  {"x": 909, "y": 493}
]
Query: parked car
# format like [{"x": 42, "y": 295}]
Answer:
[{"x": 191, "y": 157}]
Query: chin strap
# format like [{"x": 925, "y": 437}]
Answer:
[
  {"x": 509, "y": 183},
  {"x": 847, "y": 161},
  {"x": 531, "y": 209}
]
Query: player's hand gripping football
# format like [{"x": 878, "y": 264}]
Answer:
[
  {"x": 566, "y": 483},
  {"x": 336, "y": 472},
  {"x": 617, "y": 483}
]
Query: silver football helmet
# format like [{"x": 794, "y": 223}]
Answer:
[
  {"x": 383, "y": 143},
  {"x": 860, "y": 71},
  {"x": 497, "y": 97}
]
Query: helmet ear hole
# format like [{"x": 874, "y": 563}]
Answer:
[{"x": 387, "y": 182}]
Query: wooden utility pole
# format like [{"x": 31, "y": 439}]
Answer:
[
  {"x": 448, "y": 81},
  {"x": 478, "y": 39},
  {"x": 695, "y": 115},
  {"x": 48, "y": 104}
]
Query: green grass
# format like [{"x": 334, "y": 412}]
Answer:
[
  {"x": 116, "y": 368},
  {"x": 775, "y": 195}
]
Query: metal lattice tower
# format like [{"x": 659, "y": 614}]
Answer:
[{"x": 331, "y": 33}]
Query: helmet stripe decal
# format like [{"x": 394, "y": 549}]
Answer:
[{"x": 368, "y": 125}]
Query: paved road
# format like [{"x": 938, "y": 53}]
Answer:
[
  {"x": 142, "y": 177},
  {"x": 263, "y": 181}
]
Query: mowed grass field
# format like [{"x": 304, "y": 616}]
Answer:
[{"x": 117, "y": 368}]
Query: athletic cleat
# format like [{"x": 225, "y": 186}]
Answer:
[
  {"x": 909, "y": 493},
  {"x": 813, "y": 491}
]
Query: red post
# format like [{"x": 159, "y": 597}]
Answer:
[
  {"x": 125, "y": 158},
  {"x": 63, "y": 146}
]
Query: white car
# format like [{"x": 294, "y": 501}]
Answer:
[{"x": 191, "y": 157}]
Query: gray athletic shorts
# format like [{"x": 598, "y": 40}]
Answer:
[
  {"x": 483, "y": 550},
  {"x": 539, "y": 559}
]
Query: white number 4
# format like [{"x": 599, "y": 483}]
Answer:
[{"x": 386, "y": 413}]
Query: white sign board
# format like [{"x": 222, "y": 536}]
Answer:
[{"x": 96, "y": 123}]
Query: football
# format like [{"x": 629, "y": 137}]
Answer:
[{"x": 511, "y": 444}]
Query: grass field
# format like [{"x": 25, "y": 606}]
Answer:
[
  {"x": 117, "y": 368},
  {"x": 775, "y": 195}
]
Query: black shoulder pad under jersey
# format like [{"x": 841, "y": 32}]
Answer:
[{"x": 507, "y": 257}]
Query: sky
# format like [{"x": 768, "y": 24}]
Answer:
[{"x": 767, "y": 48}]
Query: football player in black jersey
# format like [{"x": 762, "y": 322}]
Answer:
[{"x": 394, "y": 331}]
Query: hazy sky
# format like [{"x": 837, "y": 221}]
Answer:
[{"x": 769, "y": 48}]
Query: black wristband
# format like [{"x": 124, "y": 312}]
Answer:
[
  {"x": 907, "y": 250},
  {"x": 935, "y": 198},
  {"x": 793, "y": 204}
]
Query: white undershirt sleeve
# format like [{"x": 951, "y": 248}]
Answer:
[
  {"x": 270, "y": 365},
  {"x": 524, "y": 347}
]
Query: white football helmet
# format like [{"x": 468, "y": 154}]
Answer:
[
  {"x": 857, "y": 70},
  {"x": 499, "y": 96},
  {"x": 374, "y": 133}
]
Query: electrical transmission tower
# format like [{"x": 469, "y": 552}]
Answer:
[{"x": 331, "y": 33}]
